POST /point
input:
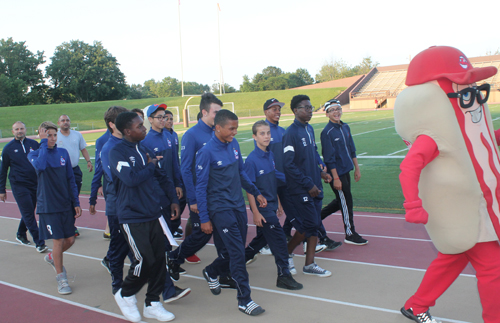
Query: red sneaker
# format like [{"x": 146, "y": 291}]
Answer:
[{"x": 193, "y": 259}]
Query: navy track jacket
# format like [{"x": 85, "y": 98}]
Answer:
[
  {"x": 57, "y": 191},
  {"x": 98, "y": 172},
  {"x": 138, "y": 199},
  {"x": 220, "y": 175},
  {"x": 301, "y": 159},
  {"x": 108, "y": 185},
  {"x": 15, "y": 156},
  {"x": 338, "y": 147}
]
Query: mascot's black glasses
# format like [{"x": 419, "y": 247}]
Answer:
[{"x": 467, "y": 95}]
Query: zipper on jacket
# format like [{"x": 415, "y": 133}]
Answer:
[
  {"x": 310, "y": 140},
  {"x": 345, "y": 145},
  {"x": 137, "y": 148},
  {"x": 22, "y": 145}
]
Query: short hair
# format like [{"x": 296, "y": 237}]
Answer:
[
  {"x": 124, "y": 120},
  {"x": 62, "y": 116},
  {"x": 111, "y": 114},
  {"x": 260, "y": 123},
  {"x": 297, "y": 99},
  {"x": 198, "y": 116},
  {"x": 18, "y": 122},
  {"x": 207, "y": 99},
  {"x": 48, "y": 125},
  {"x": 223, "y": 116},
  {"x": 136, "y": 110},
  {"x": 169, "y": 112}
]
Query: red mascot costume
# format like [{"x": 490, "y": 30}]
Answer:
[{"x": 451, "y": 175}]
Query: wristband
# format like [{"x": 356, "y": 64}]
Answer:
[
  {"x": 89, "y": 161},
  {"x": 336, "y": 178}
]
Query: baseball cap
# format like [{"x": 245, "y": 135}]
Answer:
[
  {"x": 332, "y": 104},
  {"x": 153, "y": 108},
  {"x": 272, "y": 102},
  {"x": 445, "y": 62}
]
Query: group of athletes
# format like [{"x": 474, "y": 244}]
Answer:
[{"x": 146, "y": 188}]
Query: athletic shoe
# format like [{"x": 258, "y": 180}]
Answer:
[
  {"x": 227, "y": 282},
  {"x": 287, "y": 282},
  {"x": 330, "y": 244},
  {"x": 319, "y": 247},
  {"x": 48, "y": 259},
  {"x": 23, "y": 240},
  {"x": 177, "y": 235},
  {"x": 425, "y": 317},
  {"x": 156, "y": 311},
  {"x": 291, "y": 265},
  {"x": 77, "y": 233},
  {"x": 213, "y": 283},
  {"x": 316, "y": 270},
  {"x": 179, "y": 293},
  {"x": 62, "y": 284},
  {"x": 249, "y": 261},
  {"x": 174, "y": 269},
  {"x": 251, "y": 308},
  {"x": 193, "y": 259},
  {"x": 105, "y": 264},
  {"x": 42, "y": 248},
  {"x": 128, "y": 306},
  {"x": 106, "y": 236},
  {"x": 355, "y": 239},
  {"x": 266, "y": 251}
]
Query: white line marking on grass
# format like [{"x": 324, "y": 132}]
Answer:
[
  {"x": 362, "y": 133},
  {"x": 382, "y": 157},
  {"x": 90, "y": 308},
  {"x": 397, "y": 151},
  {"x": 362, "y": 154}
]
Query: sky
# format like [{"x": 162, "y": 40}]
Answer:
[{"x": 144, "y": 34}]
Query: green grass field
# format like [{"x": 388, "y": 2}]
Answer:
[{"x": 380, "y": 151}]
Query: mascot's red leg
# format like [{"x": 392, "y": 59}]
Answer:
[
  {"x": 485, "y": 258},
  {"x": 441, "y": 273}
]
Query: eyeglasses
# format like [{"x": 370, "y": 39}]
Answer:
[
  {"x": 310, "y": 108},
  {"x": 467, "y": 95},
  {"x": 160, "y": 117}
]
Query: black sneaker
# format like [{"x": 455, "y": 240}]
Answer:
[
  {"x": 355, "y": 239},
  {"x": 77, "y": 233},
  {"x": 174, "y": 269},
  {"x": 177, "y": 235},
  {"x": 213, "y": 283},
  {"x": 23, "y": 240},
  {"x": 42, "y": 248},
  {"x": 287, "y": 282},
  {"x": 105, "y": 264},
  {"x": 179, "y": 293},
  {"x": 227, "y": 282},
  {"x": 425, "y": 317},
  {"x": 251, "y": 308},
  {"x": 330, "y": 244}
]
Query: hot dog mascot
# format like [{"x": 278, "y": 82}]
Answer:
[{"x": 451, "y": 175}]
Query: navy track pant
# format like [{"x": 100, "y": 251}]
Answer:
[{"x": 26, "y": 201}]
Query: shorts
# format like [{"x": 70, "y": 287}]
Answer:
[
  {"x": 307, "y": 217},
  {"x": 59, "y": 225}
]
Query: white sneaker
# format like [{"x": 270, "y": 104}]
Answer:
[
  {"x": 156, "y": 311},
  {"x": 266, "y": 251},
  {"x": 319, "y": 247},
  {"x": 316, "y": 270},
  {"x": 128, "y": 306},
  {"x": 291, "y": 265}
]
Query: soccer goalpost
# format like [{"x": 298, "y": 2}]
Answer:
[{"x": 194, "y": 109}]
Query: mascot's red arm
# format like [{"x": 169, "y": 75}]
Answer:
[{"x": 422, "y": 152}]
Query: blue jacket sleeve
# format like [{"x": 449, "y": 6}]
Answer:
[
  {"x": 292, "y": 171},
  {"x": 96, "y": 180},
  {"x": 3, "y": 170},
  {"x": 166, "y": 183},
  {"x": 120, "y": 167},
  {"x": 71, "y": 181},
  {"x": 202, "y": 177},
  {"x": 38, "y": 158},
  {"x": 328, "y": 151},
  {"x": 188, "y": 155},
  {"x": 246, "y": 183},
  {"x": 177, "y": 170},
  {"x": 250, "y": 170}
]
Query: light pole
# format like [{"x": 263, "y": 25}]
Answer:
[
  {"x": 221, "y": 83},
  {"x": 180, "y": 46}
]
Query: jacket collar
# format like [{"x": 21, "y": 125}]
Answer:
[
  {"x": 204, "y": 127},
  {"x": 260, "y": 152}
]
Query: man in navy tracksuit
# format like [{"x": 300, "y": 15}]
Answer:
[
  {"x": 134, "y": 169},
  {"x": 192, "y": 141},
  {"x": 260, "y": 168},
  {"x": 220, "y": 174},
  {"x": 303, "y": 179},
  {"x": 57, "y": 199},
  {"x": 23, "y": 182},
  {"x": 339, "y": 154}
]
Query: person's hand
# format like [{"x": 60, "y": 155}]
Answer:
[
  {"x": 326, "y": 177},
  {"x": 90, "y": 167},
  {"x": 178, "y": 190},
  {"x": 194, "y": 208},
  {"x": 337, "y": 184},
  {"x": 280, "y": 211},
  {"x": 152, "y": 160},
  {"x": 315, "y": 191},
  {"x": 323, "y": 169},
  {"x": 176, "y": 210},
  {"x": 92, "y": 209},
  {"x": 42, "y": 133},
  {"x": 78, "y": 211},
  {"x": 100, "y": 191},
  {"x": 3, "y": 197},
  {"x": 258, "y": 219},
  {"x": 357, "y": 175},
  {"x": 262, "y": 201},
  {"x": 207, "y": 227}
]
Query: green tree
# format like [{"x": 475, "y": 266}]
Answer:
[
  {"x": 85, "y": 73},
  {"x": 339, "y": 69},
  {"x": 21, "y": 79},
  {"x": 138, "y": 91},
  {"x": 169, "y": 86},
  {"x": 273, "y": 78},
  {"x": 227, "y": 88},
  {"x": 195, "y": 88}
]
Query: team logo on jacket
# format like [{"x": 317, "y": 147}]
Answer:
[
  {"x": 176, "y": 142},
  {"x": 261, "y": 172},
  {"x": 132, "y": 159},
  {"x": 63, "y": 161},
  {"x": 156, "y": 150},
  {"x": 235, "y": 153},
  {"x": 15, "y": 150},
  {"x": 304, "y": 142},
  {"x": 305, "y": 199},
  {"x": 219, "y": 163},
  {"x": 169, "y": 143},
  {"x": 31, "y": 149}
]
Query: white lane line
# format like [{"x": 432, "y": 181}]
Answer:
[
  {"x": 397, "y": 151},
  {"x": 382, "y": 157},
  {"x": 362, "y": 133},
  {"x": 89, "y": 308}
]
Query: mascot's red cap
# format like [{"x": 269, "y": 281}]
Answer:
[{"x": 445, "y": 62}]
